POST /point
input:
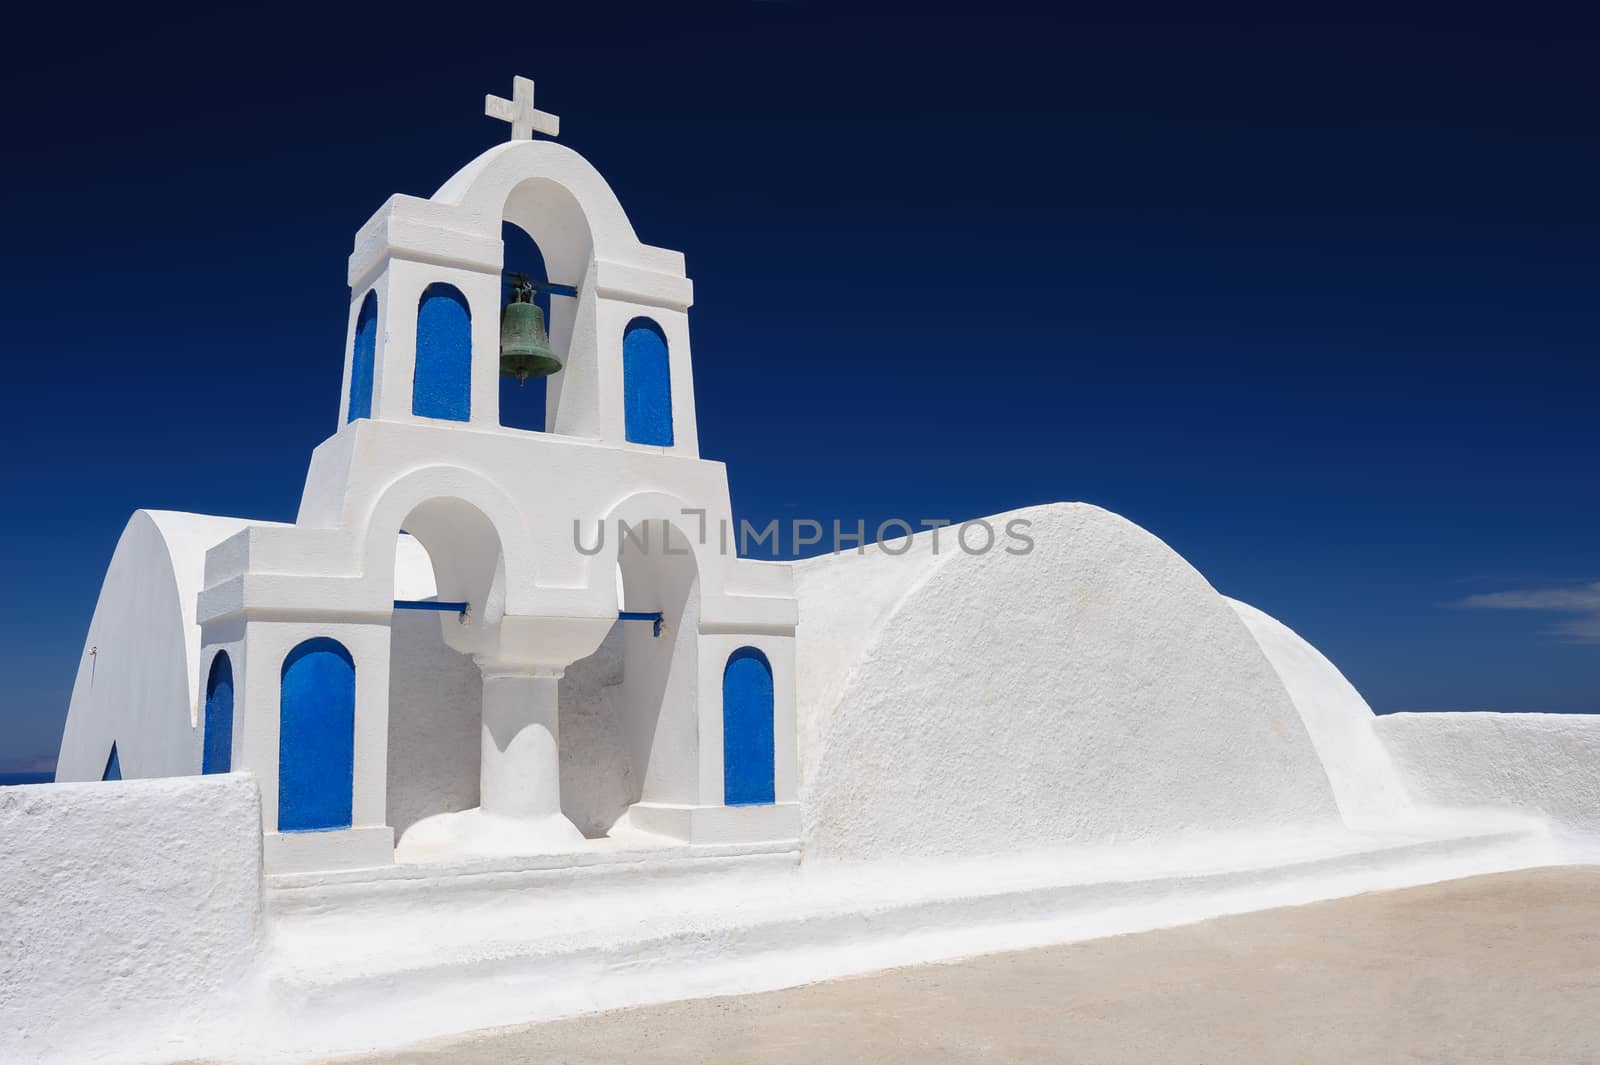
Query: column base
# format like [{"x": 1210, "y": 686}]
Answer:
[
  {"x": 337, "y": 848},
  {"x": 767, "y": 823},
  {"x": 477, "y": 833}
]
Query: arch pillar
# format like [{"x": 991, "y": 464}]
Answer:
[{"x": 709, "y": 819}]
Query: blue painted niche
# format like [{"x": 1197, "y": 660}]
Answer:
[
  {"x": 747, "y": 756},
  {"x": 113, "y": 765},
  {"x": 363, "y": 354},
  {"x": 646, "y": 384},
  {"x": 316, "y": 737},
  {"x": 218, "y": 756},
  {"x": 441, "y": 387}
]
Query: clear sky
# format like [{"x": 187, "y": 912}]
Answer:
[{"x": 1314, "y": 303}]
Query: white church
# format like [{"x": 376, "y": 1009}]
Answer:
[
  {"x": 294, "y": 646},
  {"x": 501, "y": 728}
]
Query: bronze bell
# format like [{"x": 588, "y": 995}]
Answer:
[{"x": 524, "y": 343}]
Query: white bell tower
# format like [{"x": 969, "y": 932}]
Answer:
[{"x": 509, "y": 520}]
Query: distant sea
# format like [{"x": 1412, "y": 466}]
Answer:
[{"x": 25, "y": 778}]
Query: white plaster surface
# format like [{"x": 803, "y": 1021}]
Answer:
[
  {"x": 435, "y": 711},
  {"x": 129, "y": 912},
  {"x": 1341, "y": 724},
  {"x": 141, "y": 687},
  {"x": 1095, "y": 690},
  {"x": 368, "y": 959},
  {"x": 1543, "y": 764},
  {"x": 972, "y": 752},
  {"x": 597, "y": 776},
  {"x": 1139, "y": 752}
]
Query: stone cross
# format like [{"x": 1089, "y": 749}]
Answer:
[{"x": 520, "y": 112}]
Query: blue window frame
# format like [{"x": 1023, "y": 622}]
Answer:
[
  {"x": 441, "y": 386},
  {"x": 747, "y": 750},
  {"x": 218, "y": 755},
  {"x": 363, "y": 354},
  {"x": 316, "y": 737},
  {"x": 646, "y": 384}
]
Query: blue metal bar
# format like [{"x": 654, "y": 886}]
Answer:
[
  {"x": 430, "y": 604},
  {"x": 556, "y": 289},
  {"x": 642, "y": 615}
]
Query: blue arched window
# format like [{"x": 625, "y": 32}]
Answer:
[
  {"x": 747, "y": 756},
  {"x": 646, "y": 384},
  {"x": 363, "y": 353},
  {"x": 442, "y": 384},
  {"x": 218, "y": 757},
  {"x": 316, "y": 737},
  {"x": 113, "y": 765}
]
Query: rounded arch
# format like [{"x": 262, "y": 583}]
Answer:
[
  {"x": 523, "y": 402},
  {"x": 316, "y": 736},
  {"x": 462, "y": 508},
  {"x": 441, "y": 384},
  {"x": 561, "y": 201},
  {"x": 555, "y": 220},
  {"x": 657, "y": 702},
  {"x": 363, "y": 358},
  {"x": 218, "y": 739},
  {"x": 655, "y": 508},
  {"x": 656, "y": 561},
  {"x": 556, "y": 195},
  {"x": 748, "y": 752},
  {"x": 466, "y": 554},
  {"x": 646, "y": 384}
]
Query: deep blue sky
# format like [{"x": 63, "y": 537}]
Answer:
[{"x": 1316, "y": 304}]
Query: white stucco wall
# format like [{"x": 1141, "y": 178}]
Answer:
[
  {"x": 1094, "y": 690},
  {"x": 126, "y": 909},
  {"x": 435, "y": 722},
  {"x": 1341, "y": 724},
  {"x": 657, "y": 702},
  {"x": 1547, "y": 764},
  {"x": 598, "y": 779},
  {"x": 141, "y": 687}
]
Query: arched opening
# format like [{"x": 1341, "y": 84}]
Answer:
[
  {"x": 218, "y": 750},
  {"x": 552, "y": 216},
  {"x": 646, "y": 384},
  {"x": 113, "y": 770},
  {"x": 747, "y": 751},
  {"x": 316, "y": 737},
  {"x": 656, "y": 703},
  {"x": 363, "y": 356},
  {"x": 542, "y": 213},
  {"x": 441, "y": 386},
  {"x": 448, "y": 552},
  {"x": 522, "y": 403}
]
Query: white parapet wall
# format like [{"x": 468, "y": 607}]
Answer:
[
  {"x": 128, "y": 912},
  {"x": 1543, "y": 764}
]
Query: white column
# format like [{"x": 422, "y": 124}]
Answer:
[{"x": 520, "y": 776}]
